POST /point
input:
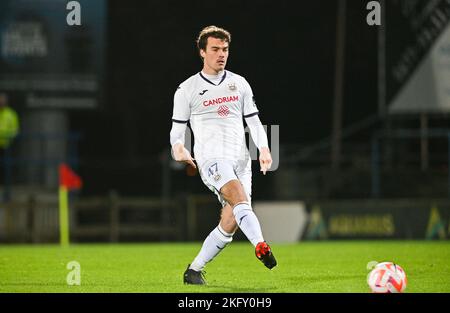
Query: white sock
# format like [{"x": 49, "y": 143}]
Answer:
[
  {"x": 248, "y": 222},
  {"x": 213, "y": 244}
]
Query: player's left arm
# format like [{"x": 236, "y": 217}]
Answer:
[{"x": 259, "y": 136}]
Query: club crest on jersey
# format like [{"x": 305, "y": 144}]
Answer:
[
  {"x": 232, "y": 86},
  {"x": 217, "y": 177},
  {"x": 223, "y": 110}
]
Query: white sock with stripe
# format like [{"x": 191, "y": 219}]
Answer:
[
  {"x": 248, "y": 222},
  {"x": 213, "y": 244}
]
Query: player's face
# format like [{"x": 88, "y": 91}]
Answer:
[{"x": 215, "y": 56}]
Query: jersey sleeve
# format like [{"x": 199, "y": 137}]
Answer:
[
  {"x": 257, "y": 131},
  {"x": 249, "y": 105},
  {"x": 181, "y": 106}
]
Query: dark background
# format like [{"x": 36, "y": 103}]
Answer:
[
  {"x": 288, "y": 51},
  {"x": 285, "y": 49}
]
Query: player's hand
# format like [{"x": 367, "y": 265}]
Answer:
[
  {"x": 265, "y": 159},
  {"x": 181, "y": 154}
]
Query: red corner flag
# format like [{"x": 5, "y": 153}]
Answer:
[{"x": 68, "y": 178}]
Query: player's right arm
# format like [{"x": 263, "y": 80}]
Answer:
[{"x": 180, "y": 118}]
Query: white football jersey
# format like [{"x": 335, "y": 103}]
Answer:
[{"x": 215, "y": 108}]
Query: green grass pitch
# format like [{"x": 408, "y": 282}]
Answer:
[{"x": 316, "y": 267}]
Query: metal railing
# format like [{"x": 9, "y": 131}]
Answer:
[
  {"x": 34, "y": 219},
  {"x": 402, "y": 134}
]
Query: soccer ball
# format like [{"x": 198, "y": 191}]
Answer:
[
  {"x": 387, "y": 277},
  {"x": 396, "y": 268}
]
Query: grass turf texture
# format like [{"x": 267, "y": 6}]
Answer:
[{"x": 338, "y": 266}]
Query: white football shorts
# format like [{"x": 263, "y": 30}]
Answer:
[{"x": 216, "y": 173}]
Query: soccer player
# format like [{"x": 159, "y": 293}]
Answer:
[{"x": 215, "y": 101}]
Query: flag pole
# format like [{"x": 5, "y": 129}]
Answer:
[
  {"x": 63, "y": 216},
  {"x": 68, "y": 180}
]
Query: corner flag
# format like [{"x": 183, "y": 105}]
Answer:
[{"x": 68, "y": 180}]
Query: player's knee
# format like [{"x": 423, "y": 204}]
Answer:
[{"x": 233, "y": 192}]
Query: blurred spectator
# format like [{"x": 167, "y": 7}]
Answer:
[{"x": 9, "y": 122}]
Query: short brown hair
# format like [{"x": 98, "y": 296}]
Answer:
[{"x": 212, "y": 31}]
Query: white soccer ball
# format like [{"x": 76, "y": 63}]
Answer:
[
  {"x": 387, "y": 277},
  {"x": 396, "y": 268}
]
